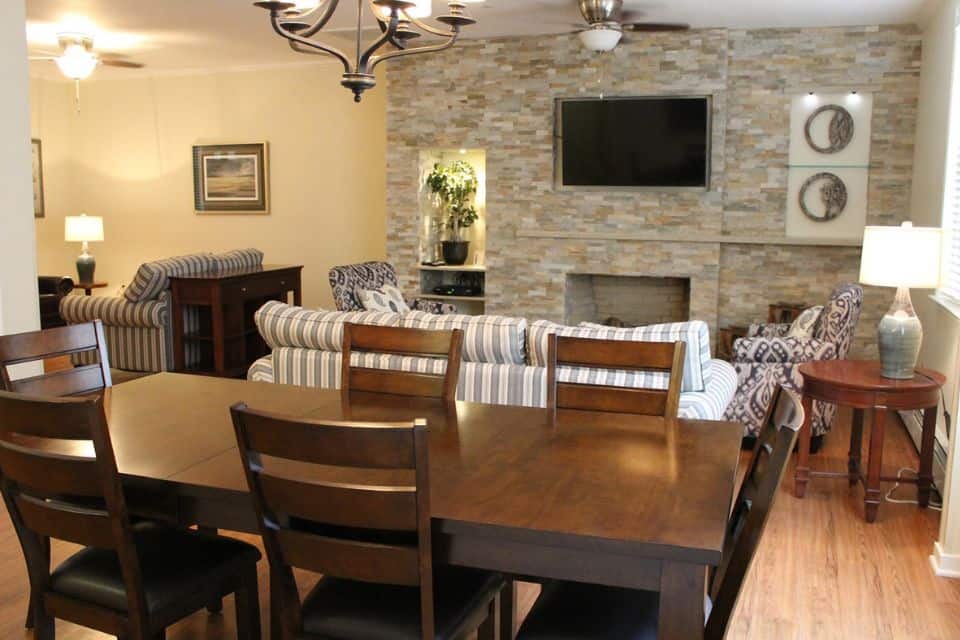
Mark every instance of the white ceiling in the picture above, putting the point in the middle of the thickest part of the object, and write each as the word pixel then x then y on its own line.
pixel 182 35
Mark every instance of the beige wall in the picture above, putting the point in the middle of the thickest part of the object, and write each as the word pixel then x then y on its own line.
pixel 18 275
pixel 126 156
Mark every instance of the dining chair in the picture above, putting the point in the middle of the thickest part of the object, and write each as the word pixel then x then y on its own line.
pixel 595 357
pixel 399 341
pixel 324 505
pixel 572 610
pixel 58 342
pixel 59 480
pixel 38 346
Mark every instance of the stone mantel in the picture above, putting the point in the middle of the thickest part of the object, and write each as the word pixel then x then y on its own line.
pixel 699 239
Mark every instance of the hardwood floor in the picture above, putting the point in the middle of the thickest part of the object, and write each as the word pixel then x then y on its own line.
pixel 821 571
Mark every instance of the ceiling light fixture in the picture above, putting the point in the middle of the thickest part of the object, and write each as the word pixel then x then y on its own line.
pixel 77 61
pixel 399 22
pixel 601 38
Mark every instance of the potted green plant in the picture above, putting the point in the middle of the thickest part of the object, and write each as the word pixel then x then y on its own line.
pixel 454 187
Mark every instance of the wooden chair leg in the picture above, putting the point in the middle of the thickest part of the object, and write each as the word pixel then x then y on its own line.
pixel 490 625
pixel 215 605
pixel 508 611
pixel 43 623
pixel 247 604
pixel 46 550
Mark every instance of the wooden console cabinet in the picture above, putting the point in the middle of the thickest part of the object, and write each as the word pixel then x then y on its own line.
pixel 224 341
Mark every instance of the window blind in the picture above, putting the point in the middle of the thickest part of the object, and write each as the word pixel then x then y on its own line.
pixel 950 287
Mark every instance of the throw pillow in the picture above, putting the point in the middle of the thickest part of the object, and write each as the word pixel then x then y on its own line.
pixel 387 298
pixel 802 327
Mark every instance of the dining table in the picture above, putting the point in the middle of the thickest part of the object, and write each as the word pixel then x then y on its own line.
pixel 611 499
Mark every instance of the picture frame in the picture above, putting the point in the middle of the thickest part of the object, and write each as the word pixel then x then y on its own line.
pixel 39 205
pixel 231 178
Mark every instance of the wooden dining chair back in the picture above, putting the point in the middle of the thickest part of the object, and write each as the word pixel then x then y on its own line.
pixel 752 506
pixel 613 355
pixel 60 481
pixel 65 342
pixel 400 341
pixel 364 532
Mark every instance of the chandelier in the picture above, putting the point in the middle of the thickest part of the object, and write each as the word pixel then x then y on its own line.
pixel 399 20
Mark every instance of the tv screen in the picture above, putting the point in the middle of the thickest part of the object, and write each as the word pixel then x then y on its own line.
pixel 634 142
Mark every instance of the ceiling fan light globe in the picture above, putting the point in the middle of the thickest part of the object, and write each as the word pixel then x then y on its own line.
pixel 601 40
pixel 76 62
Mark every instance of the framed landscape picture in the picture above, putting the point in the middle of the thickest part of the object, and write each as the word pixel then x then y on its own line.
pixel 38 205
pixel 230 178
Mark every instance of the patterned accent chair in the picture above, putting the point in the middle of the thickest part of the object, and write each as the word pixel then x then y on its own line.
pixel 767 358
pixel 348 279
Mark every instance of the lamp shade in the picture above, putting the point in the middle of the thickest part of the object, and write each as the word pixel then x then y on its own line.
pixel 83 229
pixel 904 256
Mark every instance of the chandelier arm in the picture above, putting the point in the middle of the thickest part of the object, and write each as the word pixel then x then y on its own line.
pixel 363 61
pixel 409 52
pixel 322 19
pixel 292 37
pixel 426 27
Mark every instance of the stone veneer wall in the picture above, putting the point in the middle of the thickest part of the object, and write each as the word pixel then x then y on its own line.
pixel 499 95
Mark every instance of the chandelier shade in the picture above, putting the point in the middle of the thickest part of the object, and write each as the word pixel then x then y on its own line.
pixel 399 21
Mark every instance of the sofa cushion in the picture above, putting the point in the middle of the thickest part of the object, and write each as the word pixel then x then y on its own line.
pixel 495 339
pixel 152 278
pixel 238 259
pixel 386 298
pixel 695 334
pixel 282 325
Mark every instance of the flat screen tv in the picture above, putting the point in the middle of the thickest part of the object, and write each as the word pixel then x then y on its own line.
pixel 644 142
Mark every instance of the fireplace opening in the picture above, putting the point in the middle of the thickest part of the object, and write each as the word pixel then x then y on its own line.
pixel 625 301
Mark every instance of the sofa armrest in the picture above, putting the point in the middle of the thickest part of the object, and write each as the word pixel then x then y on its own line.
pixel 431 306
pixel 768 330
pixel 116 312
pixel 55 285
pixel 782 350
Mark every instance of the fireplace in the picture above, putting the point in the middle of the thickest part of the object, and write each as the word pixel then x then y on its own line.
pixel 628 301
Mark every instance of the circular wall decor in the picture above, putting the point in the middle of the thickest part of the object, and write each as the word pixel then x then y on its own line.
pixel 840 131
pixel 833 193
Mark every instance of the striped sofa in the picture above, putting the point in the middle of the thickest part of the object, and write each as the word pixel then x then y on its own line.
pixel 504 358
pixel 138 325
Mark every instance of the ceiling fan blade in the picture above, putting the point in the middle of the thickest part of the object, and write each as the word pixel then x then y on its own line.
pixel 655 27
pixel 123 64
pixel 42 58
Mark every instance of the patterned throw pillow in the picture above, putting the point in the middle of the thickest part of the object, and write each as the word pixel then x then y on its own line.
pixel 388 298
pixel 802 327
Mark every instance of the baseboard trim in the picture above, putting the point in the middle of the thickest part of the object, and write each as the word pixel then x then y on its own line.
pixel 944 565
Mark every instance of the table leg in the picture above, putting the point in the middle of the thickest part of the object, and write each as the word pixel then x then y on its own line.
pixel 925 477
pixel 856 446
pixel 802 473
pixel 508 611
pixel 875 463
pixel 682 588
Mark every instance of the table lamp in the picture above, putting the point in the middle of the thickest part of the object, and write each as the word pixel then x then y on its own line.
pixel 85 229
pixel 905 257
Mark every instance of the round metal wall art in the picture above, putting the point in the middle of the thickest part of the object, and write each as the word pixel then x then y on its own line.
pixel 833 193
pixel 840 131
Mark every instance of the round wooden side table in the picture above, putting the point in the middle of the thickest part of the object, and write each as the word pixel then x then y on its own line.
pixel 859 385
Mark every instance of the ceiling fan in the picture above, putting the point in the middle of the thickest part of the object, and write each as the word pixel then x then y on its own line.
pixel 77 59
pixel 607 20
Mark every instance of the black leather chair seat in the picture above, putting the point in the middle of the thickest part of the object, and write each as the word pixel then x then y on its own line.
pixel 172 562
pixel 568 611
pixel 347 610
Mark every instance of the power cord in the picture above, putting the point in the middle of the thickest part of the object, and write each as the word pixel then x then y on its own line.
pixel 936 506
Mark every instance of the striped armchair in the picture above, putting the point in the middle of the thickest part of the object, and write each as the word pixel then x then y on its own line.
pixel 767 358
pixel 138 325
pixel 347 280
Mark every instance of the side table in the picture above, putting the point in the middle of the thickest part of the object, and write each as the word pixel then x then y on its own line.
pixel 859 385
pixel 88 287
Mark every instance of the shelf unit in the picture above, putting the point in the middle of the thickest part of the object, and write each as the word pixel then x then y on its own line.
pixel 432 277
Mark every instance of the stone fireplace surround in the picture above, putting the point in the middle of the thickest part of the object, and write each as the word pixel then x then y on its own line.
pixel 499 95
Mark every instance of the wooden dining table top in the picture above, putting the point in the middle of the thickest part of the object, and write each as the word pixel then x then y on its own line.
pixel 638 485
